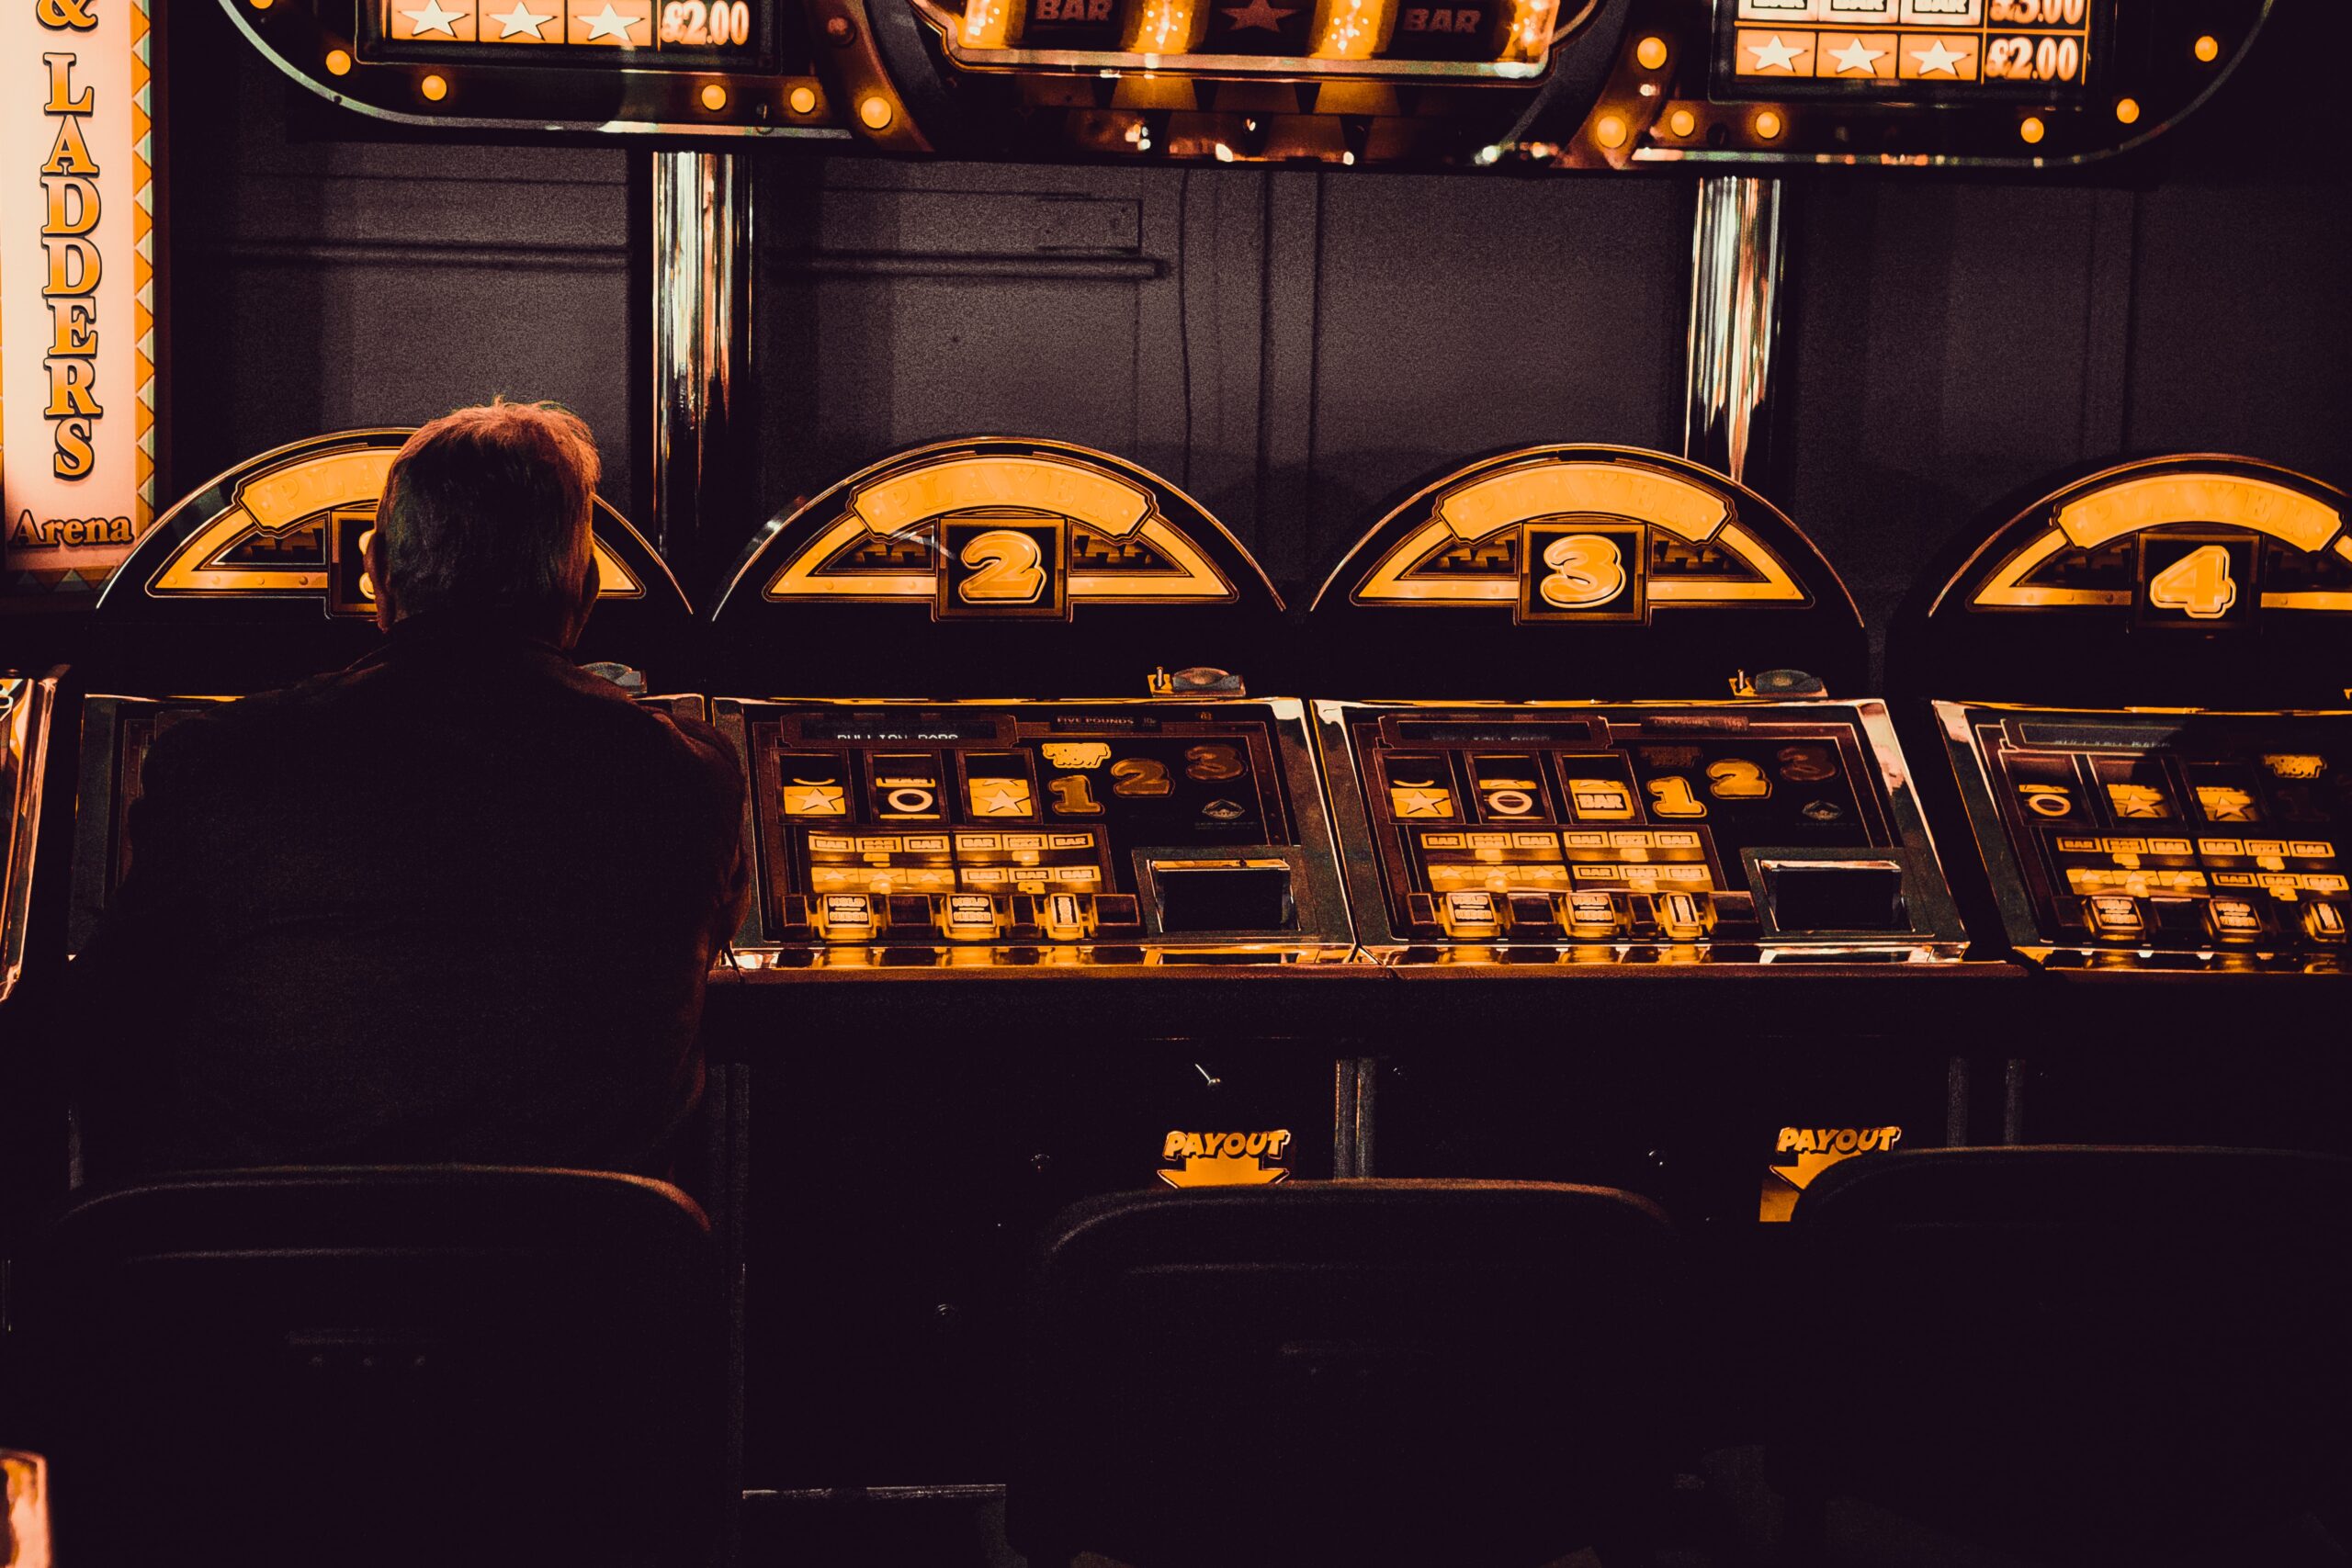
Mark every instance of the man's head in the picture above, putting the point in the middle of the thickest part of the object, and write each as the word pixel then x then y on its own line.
pixel 485 516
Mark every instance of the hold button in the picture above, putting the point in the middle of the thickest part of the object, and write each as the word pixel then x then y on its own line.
pixel 2112 914
pixel 1595 916
pixel 2233 920
pixel 845 917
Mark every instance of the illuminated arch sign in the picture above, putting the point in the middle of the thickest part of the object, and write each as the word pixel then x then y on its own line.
pixel 1013 564
pixel 994 529
pixel 2200 542
pixel 1568 570
pixel 286 533
pixel 77 296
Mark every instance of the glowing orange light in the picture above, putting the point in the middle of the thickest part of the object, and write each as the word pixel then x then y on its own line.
pixel 987 23
pixel 338 62
pixel 2208 49
pixel 1163 26
pixel 435 87
pixel 714 96
pixel 1350 30
pixel 1610 131
pixel 1769 125
pixel 1530 30
pixel 2033 129
pixel 1682 122
pixel 803 100
pixel 1651 52
pixel 875 110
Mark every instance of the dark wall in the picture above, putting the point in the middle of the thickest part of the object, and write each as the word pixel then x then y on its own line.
pixel 1293 347
pixel 318 282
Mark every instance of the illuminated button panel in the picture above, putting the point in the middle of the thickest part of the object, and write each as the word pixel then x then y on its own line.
pixel 980 832
pixel 2164 834
pixel 1727 828
pixel 1910 48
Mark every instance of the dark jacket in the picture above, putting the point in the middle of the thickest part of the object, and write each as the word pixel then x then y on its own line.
pixel 457 902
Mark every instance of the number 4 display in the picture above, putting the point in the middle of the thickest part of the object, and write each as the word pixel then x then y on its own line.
pixel 2199 584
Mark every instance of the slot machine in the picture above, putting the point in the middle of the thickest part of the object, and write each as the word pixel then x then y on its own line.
pixel 258 581
pixel 1712 86
pixel 28 703
pixel 1674 885
pixel 1042 874
pixel 28 955
pixel 2138 684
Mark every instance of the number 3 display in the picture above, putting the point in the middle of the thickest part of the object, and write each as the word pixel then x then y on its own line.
pixel 1587 569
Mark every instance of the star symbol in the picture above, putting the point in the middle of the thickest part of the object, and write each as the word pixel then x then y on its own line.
pixel 1855 57
pixel 1422 803
pixel 519 20
pixel 432 20
pixel 814 800
pixel 1000 800
pixel 1776 55
pixel 609 23
pixel 1259 14
pixel 1935 57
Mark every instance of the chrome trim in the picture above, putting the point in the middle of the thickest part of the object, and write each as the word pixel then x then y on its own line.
pixel 704 435
pixel 1739 250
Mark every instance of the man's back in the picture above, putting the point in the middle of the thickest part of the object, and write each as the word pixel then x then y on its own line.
pixel 455 903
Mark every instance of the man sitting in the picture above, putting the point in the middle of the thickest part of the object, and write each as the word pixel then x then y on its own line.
pixel 456 902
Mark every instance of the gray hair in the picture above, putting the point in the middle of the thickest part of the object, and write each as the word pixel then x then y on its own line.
pixel 485 514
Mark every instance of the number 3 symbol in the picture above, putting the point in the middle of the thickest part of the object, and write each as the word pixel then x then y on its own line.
pixel 1585 570
pixel 1007 568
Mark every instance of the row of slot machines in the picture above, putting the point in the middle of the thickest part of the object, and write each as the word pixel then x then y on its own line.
pixel 1029 706
pixel 1557 837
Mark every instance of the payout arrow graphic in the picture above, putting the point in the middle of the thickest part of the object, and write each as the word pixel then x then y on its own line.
pixel 1817 1149
pixel 1225 1159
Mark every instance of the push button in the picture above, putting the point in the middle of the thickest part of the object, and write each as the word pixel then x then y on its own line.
pixel 1470 913
pixel 1066 916
pixel 2233 920
pixel 2323 922
pixel 969 917
pixel 2112 914
pixel 1594 917
pixel 1684 917
pixel 1533 914
pixel 845 917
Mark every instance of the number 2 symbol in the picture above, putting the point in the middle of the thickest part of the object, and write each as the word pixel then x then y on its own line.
pixel 2199 583
pixel 1007 568
pixel 1585 570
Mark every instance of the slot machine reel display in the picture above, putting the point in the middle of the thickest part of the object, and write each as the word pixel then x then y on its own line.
pixel 258 579
pixel 1585 84
pixel 1118 829
pixel 1739 830
pixel 2107 645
